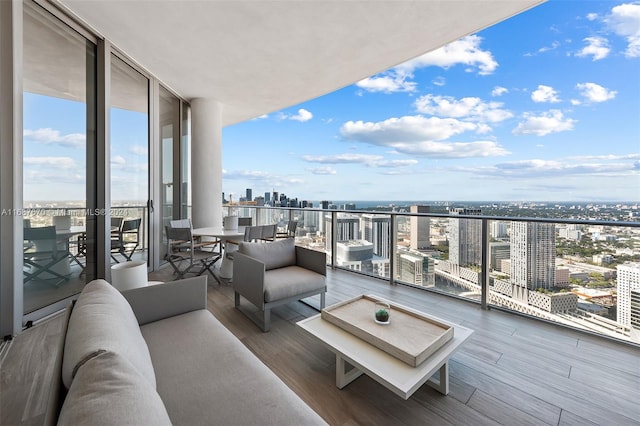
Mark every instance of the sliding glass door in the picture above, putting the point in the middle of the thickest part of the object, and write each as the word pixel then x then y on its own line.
pixel 59 119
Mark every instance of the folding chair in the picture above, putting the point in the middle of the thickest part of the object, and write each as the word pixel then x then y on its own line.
pixel 268 232
pixel 184 254
pixel 41 254
pixel 126 240
pixel 290 232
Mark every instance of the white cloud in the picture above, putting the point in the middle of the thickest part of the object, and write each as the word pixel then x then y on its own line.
pixel 551 121
pixel 555 168
pixel 499 91
pixel 53 162
pixel 302 116
pixel 387 84
pixel 139 150
pixel 553 46
pixel 545 94
pixel 118 160
pixel 624 20
pixel 322 170
pixel 465 51
pixel 470 108
pixel 597 48
pixel 404 129
pixel 342 158
pixel 595 93
pixel 368 160
pixel 417 135
pixel 50 136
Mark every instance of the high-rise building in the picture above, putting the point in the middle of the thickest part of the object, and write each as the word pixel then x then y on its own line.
pixel 498 229
pixel 415 268
pixel 465 238
pixel 325 204
pixel 628 277
pixel 377 230
pixel 499 251
pixel 533 255
pixel 348 228
pixel 249 194
pixel 267 197
pixel 420 228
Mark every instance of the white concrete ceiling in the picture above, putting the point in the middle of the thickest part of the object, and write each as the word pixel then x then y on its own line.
pixel 257 57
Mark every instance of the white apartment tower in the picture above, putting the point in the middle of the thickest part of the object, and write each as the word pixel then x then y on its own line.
pixel 628 283
pixel 420 228
pixel 533 255
pixel 465 238
pixel 348 228
pixel 377 230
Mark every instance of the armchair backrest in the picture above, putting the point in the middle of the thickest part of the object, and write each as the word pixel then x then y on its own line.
pixel 277 254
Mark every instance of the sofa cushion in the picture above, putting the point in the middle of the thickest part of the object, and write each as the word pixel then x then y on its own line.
pixel 277 254
pixel 102 320
pixel 290 281
pixel 108 390
pixel 207 376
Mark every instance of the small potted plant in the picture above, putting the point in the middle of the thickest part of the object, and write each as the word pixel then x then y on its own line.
pixel 382 312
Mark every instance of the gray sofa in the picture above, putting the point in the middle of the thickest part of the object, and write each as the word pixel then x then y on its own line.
pixel 275 273
pixel 154 356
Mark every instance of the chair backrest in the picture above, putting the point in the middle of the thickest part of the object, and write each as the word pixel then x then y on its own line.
pixel 252 233
pixel 46 235
pixel 181 223
pixel 131 225
pixel 40 234
pixel 291 228
pixel 245 221
pixel 116 222
pixel 268 232
pixel 178 234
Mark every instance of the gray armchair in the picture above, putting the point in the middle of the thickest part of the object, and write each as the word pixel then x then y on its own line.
pixel 276 273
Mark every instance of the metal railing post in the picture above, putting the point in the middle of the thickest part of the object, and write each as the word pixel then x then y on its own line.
pixel 486 259
pixel 393 242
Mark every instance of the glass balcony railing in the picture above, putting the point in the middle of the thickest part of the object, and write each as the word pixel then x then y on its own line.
pixel 578 273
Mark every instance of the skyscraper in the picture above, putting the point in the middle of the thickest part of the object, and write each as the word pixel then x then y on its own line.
pixel 415 268
pixel 628 294
pixel 465 238
pixel 377 230
pixel 348 228
pixel 420 228
pixel 533 255
pixel 249 194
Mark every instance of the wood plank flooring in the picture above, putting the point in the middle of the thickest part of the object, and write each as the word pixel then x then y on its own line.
pixel 512 371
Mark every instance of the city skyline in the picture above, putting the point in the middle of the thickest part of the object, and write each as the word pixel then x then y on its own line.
pixel 542 106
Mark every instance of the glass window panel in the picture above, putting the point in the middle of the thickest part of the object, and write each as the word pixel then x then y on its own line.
pixel 59 108
pixel 129 115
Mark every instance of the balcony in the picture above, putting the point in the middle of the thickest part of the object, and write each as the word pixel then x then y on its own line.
pixel 513 370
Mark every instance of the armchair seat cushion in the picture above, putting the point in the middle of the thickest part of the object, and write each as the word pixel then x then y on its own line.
pixel 284 283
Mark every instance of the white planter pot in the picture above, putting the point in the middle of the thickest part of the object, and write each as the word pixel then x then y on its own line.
pixel 128 275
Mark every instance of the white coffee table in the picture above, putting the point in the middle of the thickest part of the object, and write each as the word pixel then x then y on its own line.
pixel 397 376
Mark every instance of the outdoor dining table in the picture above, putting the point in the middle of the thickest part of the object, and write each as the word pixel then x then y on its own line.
pixel 224 235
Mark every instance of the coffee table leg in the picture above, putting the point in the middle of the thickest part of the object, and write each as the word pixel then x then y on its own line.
pixel 343 377
pixel 442 383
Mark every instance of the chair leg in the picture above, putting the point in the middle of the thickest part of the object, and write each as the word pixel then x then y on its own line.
pixel 266 317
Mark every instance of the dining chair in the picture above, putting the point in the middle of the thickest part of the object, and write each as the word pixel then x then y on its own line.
pixel 42 254
pixel 126 240
pixel 184 253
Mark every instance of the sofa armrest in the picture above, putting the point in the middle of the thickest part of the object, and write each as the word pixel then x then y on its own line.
pixel 248 278
pixel 313 260
pixel 166 300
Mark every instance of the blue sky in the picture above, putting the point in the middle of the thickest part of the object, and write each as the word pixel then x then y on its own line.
pixel 544 106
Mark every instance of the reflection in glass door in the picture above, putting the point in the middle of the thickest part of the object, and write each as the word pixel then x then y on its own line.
pixel 59 125
pixel 129 115
pixel 169 112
